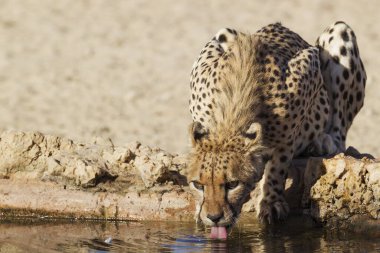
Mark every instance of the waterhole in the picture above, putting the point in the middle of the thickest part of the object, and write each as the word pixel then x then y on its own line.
pixel 296 234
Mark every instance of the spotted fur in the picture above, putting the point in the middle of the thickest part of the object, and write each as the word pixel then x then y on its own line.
pixel 257 101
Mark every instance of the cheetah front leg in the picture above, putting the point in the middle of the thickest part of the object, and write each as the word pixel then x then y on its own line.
pixel 271 204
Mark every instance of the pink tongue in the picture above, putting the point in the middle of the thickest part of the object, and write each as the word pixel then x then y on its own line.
pixel 218 233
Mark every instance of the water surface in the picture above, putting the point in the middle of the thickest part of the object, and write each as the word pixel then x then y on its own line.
pixel 297 234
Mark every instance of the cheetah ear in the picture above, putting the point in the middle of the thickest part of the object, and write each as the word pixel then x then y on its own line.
pixel 253 133
pixel 197 132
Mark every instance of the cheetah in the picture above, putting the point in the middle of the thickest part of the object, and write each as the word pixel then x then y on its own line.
pixel 259 100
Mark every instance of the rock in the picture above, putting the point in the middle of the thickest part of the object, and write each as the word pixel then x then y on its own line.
pixel 119 155
pixel 151 164
pixel 28 155
pixel 340 192
pixel 38 172
pixel 349 187
pixel 22 154
pixel 36 199
pixel 36 156
pixel 157 166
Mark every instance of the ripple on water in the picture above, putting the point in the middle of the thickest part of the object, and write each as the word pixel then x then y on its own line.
pixel 297 234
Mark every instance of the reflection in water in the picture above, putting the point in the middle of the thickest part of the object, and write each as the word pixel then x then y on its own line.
pixel 297 234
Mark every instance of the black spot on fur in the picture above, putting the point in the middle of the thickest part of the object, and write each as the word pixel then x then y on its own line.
pixel 278 191
pixel 343 50
pixel 326 64
pixel 344 35
pixel 352 65
pixel 341 88
pixel 339 22
pixel 345 74
pixel 350 99
pixel 356 51
pixel 345 95
pixel 306 126
pixel 359 96
pixel 283 158
pixel 222 38
pixel 336 59
pixel 358 76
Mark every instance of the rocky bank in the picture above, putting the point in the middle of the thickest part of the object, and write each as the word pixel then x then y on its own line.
pixel 50 176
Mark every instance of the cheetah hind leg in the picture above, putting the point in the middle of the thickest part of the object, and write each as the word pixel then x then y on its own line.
pixel 344 78
pixel 321 147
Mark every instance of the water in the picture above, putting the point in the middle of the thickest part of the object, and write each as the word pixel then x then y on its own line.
pixel 297 234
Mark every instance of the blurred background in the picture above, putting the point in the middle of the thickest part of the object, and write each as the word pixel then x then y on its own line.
pixel 120 69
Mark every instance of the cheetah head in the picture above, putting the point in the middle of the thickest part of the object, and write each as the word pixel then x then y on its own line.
pixel 223 169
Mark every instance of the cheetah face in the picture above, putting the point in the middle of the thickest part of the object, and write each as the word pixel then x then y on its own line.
pixel 223 172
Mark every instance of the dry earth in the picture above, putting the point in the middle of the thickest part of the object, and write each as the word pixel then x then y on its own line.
pixel 120 69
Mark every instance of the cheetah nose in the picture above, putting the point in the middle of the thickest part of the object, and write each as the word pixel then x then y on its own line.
pixel 215 217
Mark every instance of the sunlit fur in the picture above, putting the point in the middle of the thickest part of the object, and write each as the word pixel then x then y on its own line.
pixel 239 93
pixel 225 153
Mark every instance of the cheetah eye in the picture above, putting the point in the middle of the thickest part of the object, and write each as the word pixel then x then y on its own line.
pixel 232 185
pixel 253 131
pixel 197 185
pixel 251 136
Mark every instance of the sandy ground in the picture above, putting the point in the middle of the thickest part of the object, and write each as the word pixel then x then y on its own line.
pixel 120 69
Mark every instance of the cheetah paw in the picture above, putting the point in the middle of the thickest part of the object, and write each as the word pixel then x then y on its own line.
pixel 277 210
